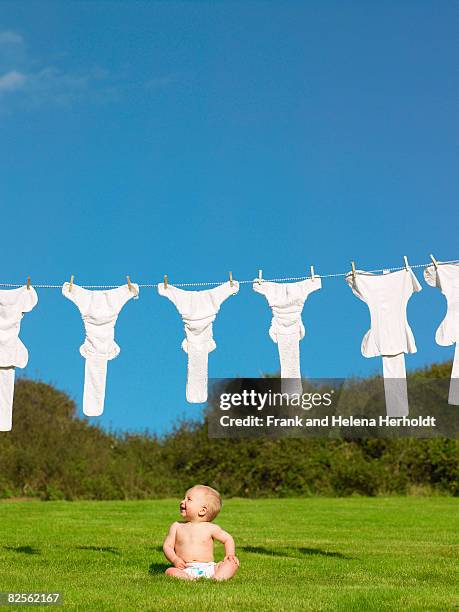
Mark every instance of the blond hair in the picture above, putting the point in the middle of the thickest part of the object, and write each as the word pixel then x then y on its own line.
pixel 214 500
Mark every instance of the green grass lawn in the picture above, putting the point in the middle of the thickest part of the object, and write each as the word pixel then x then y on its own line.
pixel 296 554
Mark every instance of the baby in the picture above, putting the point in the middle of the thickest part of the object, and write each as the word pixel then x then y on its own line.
pixel 189 545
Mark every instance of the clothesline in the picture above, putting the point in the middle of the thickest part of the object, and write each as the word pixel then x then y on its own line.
pixel 241 282
pixel 386 295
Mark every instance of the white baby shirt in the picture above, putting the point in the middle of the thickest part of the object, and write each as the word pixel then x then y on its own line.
pixel 390 335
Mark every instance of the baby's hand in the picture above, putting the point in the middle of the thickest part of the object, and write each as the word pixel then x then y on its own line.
pixel 179 563
pixel 232 558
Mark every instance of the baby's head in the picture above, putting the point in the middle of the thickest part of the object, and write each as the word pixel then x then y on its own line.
pixel 201 503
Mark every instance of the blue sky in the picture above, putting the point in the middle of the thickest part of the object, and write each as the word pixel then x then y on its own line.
pixel 191 139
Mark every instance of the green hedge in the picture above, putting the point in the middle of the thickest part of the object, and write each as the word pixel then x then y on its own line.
pixel 52 454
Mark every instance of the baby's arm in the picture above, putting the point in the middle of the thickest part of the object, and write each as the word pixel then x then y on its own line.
pixel 224 537
pixel 169 548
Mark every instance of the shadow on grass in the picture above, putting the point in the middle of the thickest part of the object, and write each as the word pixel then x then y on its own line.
pixel 324 553
pixel 158 568
pixel 28 550
pixel 292 552
pixel 157 548
pixel 108 549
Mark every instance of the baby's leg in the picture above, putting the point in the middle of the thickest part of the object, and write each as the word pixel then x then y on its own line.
pixel 178 573
pixel 225 570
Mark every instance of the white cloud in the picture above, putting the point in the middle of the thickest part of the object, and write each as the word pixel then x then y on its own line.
pixel 159 82
pixel 11 81
pixel 13 52
pixel 8 37
pixel 29 83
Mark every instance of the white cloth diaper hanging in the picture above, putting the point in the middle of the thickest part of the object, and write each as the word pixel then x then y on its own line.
pixel 286 301
pixel 13 354
pixel 446 278
pixel 99 311
pixel 198 310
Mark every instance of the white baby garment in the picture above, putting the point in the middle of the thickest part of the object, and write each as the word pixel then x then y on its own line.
pixel 446 278
pixel 286 301
pixel 198 310
pixel 13 354
pixel 390 335
pixel 99 311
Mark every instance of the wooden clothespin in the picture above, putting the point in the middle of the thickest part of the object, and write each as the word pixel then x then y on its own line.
pixel 312 272
pixel 165 281
pixel 231 279
pixel 28 282
pixel 353 270
pixel 434 261
pixel 129 283
pixel 71 283
pixel 405 258
pixel 260 276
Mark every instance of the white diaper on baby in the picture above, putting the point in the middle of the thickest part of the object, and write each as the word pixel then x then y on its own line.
pixel 198 569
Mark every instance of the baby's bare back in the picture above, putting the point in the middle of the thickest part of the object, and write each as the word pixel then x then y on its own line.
pixel 194 542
